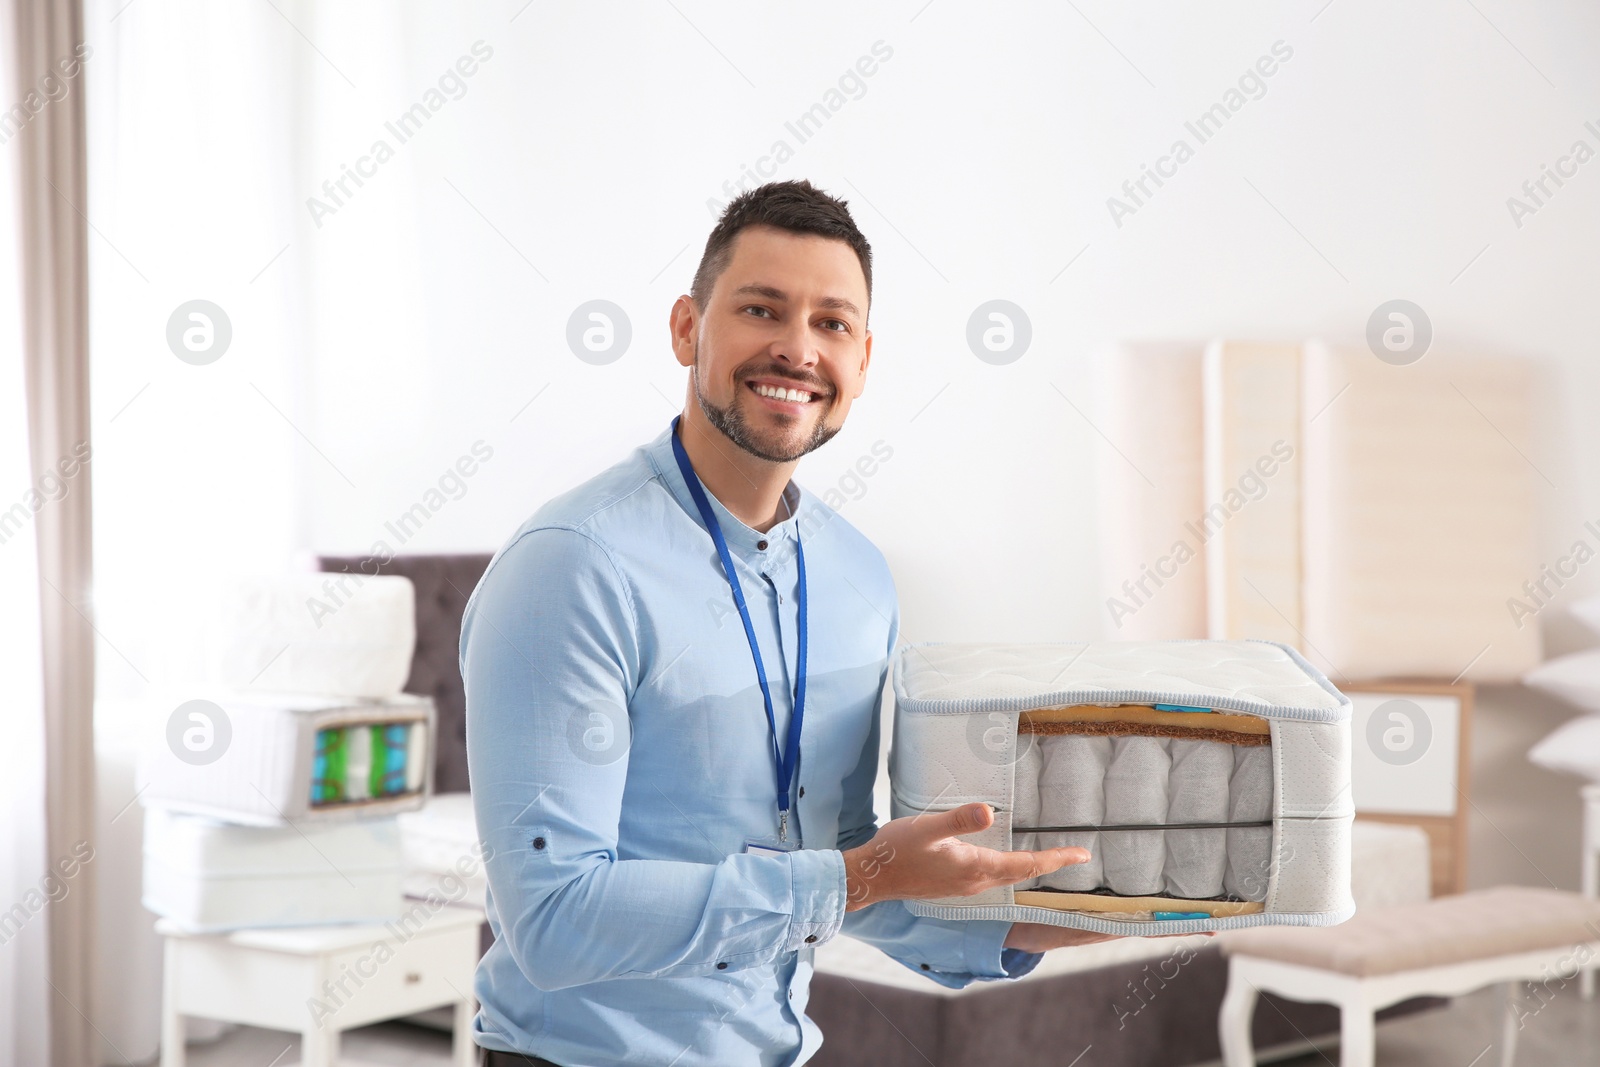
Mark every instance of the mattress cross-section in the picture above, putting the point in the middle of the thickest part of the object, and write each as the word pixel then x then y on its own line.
pixel 1209 780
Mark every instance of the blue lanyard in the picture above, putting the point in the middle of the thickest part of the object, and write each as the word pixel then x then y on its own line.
pixel 786 761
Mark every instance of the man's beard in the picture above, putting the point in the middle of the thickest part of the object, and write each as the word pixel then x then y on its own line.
pixel 730 420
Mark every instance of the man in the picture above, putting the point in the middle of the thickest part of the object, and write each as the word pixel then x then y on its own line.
pixel 668 838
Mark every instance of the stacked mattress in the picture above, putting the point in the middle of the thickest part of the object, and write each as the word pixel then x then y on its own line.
pixel 346 634
pixel 297 758
pixel 1251 526
pixel 1394 456
pixel 210 875
pixel 276 803
pixel 1296 492
pixel 1209 780
pixel 441 852
pixel 368 761
pixel 1152 486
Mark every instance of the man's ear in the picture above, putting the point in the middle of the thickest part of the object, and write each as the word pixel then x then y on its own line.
pixel 866 358
pixel 683 325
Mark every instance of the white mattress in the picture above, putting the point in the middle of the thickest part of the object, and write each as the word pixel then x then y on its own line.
pixel 1252 491
pixel 1388 865
pixel 1257 677
pixel 956 741
pixel 208 875
pixel 1150 488
pixel 441 851
pixel 350 634
pixel 463 892
pixel 1394 539
pixel 1419 515
pixel 264 775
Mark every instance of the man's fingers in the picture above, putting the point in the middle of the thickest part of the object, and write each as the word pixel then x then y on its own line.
pixel 1053 859
pixel 967 819
pixel 1014 867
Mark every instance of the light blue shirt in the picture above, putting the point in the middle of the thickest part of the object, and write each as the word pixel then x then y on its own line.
pixel 621 760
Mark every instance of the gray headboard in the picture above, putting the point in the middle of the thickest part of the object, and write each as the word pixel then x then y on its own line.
pixel 443 585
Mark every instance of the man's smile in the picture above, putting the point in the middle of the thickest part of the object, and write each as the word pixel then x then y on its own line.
pixel 784 396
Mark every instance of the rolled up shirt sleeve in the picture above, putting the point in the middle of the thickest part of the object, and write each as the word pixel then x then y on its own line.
pixel 550 658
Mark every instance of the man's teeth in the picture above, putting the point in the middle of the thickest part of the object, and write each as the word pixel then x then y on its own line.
pixel 793 395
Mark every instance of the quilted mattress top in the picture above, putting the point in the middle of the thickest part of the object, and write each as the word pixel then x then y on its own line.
pixel 1258 677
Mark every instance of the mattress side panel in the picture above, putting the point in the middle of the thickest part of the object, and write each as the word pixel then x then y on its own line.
pixel 946 760
pixel 997 836
pixel 1312 870
pixel 1312 765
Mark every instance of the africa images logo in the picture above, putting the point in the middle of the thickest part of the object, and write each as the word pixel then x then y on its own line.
pixel 1399 732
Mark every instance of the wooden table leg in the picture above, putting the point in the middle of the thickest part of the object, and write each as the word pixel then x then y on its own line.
pixel 1590 867
pixel 464 1051
pixel 1513 1023
pixel 173 1053
pixel 319 1047
pixel 1358 1035
pixel 1233 1021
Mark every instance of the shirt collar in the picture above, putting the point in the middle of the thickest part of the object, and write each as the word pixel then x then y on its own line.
pixel 739 536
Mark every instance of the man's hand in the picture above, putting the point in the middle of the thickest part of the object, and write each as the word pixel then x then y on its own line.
pixel 922 856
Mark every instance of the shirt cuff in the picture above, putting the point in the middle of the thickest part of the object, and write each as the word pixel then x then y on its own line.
pixel 819 897
pixel 983 944
pixel 1018 962
pixel 987 956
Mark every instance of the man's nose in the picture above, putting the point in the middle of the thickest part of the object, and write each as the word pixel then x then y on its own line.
pixel 795 345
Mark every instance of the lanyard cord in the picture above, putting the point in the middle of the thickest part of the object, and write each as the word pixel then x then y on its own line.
pixel 786 761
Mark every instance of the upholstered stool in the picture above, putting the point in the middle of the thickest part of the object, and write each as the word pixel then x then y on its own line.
pixel 1446 946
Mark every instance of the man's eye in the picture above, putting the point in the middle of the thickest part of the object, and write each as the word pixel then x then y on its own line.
pixel 757 307
pixel 845 326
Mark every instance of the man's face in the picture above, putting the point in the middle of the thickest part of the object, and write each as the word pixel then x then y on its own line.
pixel 788 313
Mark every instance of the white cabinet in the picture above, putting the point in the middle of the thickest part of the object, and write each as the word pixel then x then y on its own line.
pixel 1409 746
pixel 321 980
pixel 1404 753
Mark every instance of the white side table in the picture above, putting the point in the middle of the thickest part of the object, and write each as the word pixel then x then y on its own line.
pixel 321 980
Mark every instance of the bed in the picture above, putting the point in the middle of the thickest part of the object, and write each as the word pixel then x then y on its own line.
pixel 1137 1002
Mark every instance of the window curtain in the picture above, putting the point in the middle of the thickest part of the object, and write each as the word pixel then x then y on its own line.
pixel 22 934
pixel 47 651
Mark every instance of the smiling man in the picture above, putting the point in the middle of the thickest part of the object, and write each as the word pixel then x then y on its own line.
pixel 673 678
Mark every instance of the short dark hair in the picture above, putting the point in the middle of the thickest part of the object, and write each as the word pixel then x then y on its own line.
pixel 798 207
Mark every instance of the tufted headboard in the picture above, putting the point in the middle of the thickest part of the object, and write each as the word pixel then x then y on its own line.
pixel 443 584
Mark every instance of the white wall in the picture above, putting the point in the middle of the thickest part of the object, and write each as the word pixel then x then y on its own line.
pixel 430 307
pixel 979 160
pixel 375 345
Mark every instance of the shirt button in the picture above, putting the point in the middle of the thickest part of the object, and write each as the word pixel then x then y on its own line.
pixel 924 967
pixel 762 545
pixel 802 790
pixel 810 938
pixel 724 966
pixel 791 994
